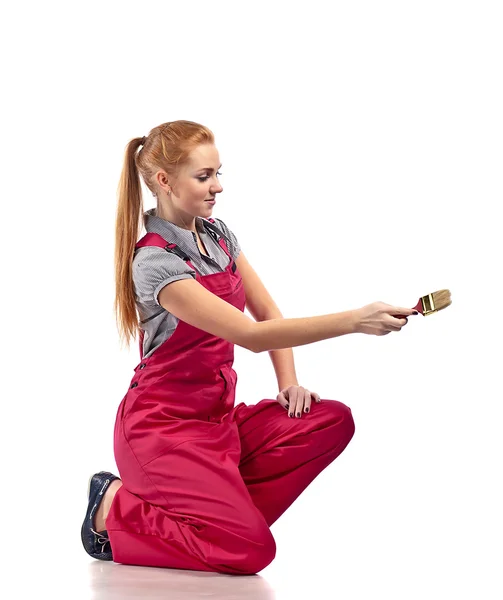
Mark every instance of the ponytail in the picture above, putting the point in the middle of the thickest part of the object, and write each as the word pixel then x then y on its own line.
pixel 127 230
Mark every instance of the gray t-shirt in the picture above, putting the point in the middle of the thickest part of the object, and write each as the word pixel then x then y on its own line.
pixel 154 267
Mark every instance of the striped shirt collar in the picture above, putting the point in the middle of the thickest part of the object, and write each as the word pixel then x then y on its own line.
pixel 154 223
pixel 175 234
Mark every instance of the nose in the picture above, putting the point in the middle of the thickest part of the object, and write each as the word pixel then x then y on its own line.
pixel 217 188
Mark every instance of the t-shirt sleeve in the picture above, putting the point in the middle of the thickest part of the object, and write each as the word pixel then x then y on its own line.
pixel 154 268
pixel 234 247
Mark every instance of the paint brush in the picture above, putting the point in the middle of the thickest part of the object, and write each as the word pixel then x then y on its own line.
pixel 431 303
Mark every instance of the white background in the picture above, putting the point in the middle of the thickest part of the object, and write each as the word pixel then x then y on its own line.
pixel 361 145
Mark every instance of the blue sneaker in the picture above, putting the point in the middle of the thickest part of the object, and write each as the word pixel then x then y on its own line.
pixel 96 543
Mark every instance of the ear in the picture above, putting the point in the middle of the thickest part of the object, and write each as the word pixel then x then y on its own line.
pixel 163 181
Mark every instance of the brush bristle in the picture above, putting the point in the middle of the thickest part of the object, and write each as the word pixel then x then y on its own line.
pixel 441 299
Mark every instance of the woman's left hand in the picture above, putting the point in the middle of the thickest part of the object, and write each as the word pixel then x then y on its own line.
pixel 297 399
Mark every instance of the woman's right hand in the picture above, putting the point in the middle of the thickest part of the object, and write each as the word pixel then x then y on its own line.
pixel 377 318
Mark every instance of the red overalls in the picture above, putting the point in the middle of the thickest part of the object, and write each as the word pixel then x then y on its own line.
pixel 203 480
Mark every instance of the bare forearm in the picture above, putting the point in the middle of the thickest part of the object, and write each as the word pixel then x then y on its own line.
pixel 282 360
pixel 284 367
pixel 279 333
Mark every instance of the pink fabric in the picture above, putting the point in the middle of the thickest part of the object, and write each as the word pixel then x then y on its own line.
pixel 203 478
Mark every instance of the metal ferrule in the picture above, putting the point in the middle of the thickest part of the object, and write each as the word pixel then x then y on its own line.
pixel 428 305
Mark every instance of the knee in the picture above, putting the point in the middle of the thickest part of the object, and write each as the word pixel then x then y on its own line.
pixel 250 552
pixel 341 417
pixel 260 553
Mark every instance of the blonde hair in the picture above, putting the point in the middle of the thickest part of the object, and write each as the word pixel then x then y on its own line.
pixel 166 148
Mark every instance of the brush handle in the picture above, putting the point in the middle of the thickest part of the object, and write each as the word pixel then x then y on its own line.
pixel 418 307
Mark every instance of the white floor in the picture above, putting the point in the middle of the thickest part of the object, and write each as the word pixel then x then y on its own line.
pixel 70 575
pixel 113 582
pixel 352 535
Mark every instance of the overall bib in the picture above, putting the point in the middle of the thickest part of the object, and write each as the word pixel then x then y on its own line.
pixel 203 479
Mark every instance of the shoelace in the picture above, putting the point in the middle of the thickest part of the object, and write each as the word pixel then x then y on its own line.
pixel 101 539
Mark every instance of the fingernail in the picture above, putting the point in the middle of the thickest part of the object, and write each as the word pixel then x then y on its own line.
pixel 416 312
pixel 298 414
pixel 306 410
pixel 287 405
pixel 290 414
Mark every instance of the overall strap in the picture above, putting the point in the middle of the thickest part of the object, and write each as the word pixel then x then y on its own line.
pixel 151 239
pixel 210 222
pixel 154 239
pixel 212 232
pixel 214 229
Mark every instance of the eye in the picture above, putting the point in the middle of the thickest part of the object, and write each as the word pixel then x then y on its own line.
pixel 207 176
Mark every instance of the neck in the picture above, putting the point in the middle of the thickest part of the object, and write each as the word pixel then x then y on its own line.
pixel 189 224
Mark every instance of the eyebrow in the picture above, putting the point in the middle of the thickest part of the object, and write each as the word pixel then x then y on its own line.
pixel 207 168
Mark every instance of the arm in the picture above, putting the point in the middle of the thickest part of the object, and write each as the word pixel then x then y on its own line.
pixel 263 308
pixel 192 303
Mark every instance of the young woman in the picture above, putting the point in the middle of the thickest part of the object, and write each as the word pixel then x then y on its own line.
pixel 202 479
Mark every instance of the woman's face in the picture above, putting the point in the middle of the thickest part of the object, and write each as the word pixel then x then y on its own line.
pixel 197 182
